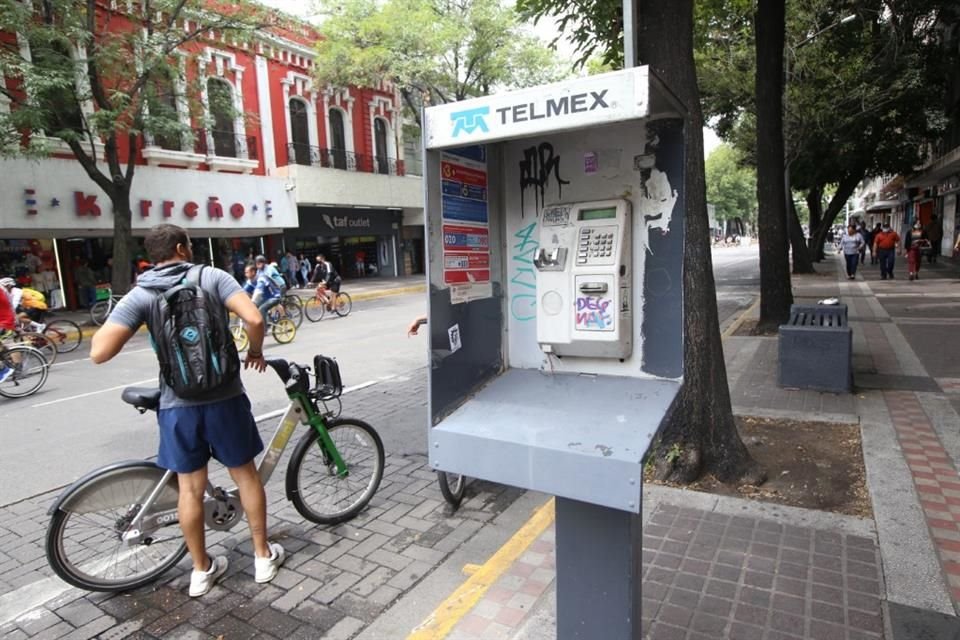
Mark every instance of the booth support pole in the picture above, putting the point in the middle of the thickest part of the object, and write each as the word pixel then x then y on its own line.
pixel 598 572
pixel 629 33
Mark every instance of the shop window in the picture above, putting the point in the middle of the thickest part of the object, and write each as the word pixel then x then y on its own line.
pixel 164 116
pixel 221 111
pixel 57 101
pixel 380 142
pixel 299 131
pixel 338 139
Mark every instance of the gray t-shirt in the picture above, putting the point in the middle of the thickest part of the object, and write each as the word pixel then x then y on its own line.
pixel 851 244
pixel 134 309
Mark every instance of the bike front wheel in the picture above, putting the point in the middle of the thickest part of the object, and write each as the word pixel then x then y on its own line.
pixel 314 309
pixel 294 309
pixel 66 335
pixel 85 545
pixel 30 370
pixel 343 304
pixel 100 311
pixel 452 486
pixel 317 491
pixel 284 330
pixel 240 338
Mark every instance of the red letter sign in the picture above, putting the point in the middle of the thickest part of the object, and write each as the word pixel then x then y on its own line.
pixel 190 209
pixel 86 205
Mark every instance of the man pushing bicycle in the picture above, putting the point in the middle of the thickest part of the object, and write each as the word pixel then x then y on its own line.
pixel 204 411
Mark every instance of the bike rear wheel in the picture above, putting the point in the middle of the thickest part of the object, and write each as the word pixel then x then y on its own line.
pixel 343 304
pixel 84 538
pixel 294 308
pixel 100 311
pixel 314 309
pixel 284 330
pixel 313 485
pixel 452 486
pixel 30 370
pixel 66 335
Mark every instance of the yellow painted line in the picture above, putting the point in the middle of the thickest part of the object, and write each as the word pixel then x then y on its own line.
pixel 740 320
pixel 439 623
pixel 470 569
pixel 381 293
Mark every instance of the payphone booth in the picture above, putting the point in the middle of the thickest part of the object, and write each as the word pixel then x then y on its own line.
pixel 555 249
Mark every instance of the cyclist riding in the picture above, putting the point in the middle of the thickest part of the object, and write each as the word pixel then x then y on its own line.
pixel 262 290
pixel 327 279
pixel 272 272
pixel 7 319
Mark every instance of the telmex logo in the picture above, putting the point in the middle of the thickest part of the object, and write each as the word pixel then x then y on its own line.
pixel 472 120
pixel 469 121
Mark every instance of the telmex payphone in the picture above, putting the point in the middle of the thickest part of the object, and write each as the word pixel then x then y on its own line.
pixel 584 269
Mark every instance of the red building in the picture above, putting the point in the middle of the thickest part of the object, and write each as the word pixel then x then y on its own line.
pixel 292 167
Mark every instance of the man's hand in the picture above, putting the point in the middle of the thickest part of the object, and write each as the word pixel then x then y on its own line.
pixel 415 325
pixel 255 360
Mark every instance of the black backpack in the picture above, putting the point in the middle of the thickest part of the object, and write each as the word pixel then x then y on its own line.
pixel 188 330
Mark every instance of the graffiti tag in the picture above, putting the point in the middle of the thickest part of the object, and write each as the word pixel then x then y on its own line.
pixel 535 169
pixel 593 313
pixel 523 300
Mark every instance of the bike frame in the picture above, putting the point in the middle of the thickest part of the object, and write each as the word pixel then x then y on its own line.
pixel 301 410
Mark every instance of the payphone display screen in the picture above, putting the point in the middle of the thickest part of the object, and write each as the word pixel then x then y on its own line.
pixel 598 214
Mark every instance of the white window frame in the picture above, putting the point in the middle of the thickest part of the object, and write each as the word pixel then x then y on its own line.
pixel 341 100
pixel 224 65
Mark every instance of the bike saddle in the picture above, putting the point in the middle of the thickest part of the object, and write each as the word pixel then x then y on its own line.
pixel 142 397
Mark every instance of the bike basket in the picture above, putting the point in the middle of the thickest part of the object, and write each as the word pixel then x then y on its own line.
pixel 327 372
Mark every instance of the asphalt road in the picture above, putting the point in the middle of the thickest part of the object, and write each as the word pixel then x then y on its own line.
pixel 78 422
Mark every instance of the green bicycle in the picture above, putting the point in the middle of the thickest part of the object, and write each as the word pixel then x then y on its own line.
pixel 117 527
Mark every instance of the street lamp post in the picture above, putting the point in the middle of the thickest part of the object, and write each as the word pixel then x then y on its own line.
pixel 792 52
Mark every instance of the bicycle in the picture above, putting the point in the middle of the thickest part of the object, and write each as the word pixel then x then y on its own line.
pixel 30 370
pixel 116 528
pixel 100 310
pixel 316 307
pixel 283 329
pixel 66 335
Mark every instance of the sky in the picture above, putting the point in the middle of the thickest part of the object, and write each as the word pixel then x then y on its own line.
pixel 545 29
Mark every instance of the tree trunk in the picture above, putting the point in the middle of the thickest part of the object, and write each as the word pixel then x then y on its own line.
pixel 798 244
pixel 815 206
pixel 122 236
pixel 845 189
pixel 775 292
pixel 702 425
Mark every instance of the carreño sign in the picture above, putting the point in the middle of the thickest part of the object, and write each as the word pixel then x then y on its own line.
pixel 583 102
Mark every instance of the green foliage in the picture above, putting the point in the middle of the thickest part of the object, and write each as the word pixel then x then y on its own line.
pixel 434 50
pixel 594 26
pixel 731 186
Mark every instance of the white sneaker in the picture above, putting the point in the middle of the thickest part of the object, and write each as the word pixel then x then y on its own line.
pixel 202 581
pixel 265 569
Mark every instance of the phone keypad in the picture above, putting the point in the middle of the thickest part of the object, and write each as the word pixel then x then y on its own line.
pixel 594 244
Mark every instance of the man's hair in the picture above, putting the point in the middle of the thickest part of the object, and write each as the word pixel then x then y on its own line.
pixel 260 259
pixel 162 240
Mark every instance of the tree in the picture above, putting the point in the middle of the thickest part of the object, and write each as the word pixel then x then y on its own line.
pixel 731 186
pixel 124 65
pixel 702 425
pixel 433 51
pixel 776 295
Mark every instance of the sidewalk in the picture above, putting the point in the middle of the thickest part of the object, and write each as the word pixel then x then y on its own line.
pixel 719 567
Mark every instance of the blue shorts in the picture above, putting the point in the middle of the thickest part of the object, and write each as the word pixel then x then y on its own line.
pixel 224 430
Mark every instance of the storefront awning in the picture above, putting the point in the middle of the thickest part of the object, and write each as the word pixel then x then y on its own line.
pixel 943 167
pixel 882 205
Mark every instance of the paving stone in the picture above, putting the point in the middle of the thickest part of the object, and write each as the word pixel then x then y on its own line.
pixel 335 588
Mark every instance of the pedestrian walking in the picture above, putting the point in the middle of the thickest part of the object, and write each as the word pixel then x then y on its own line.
pixel 293 268
pixel 206 413
pixel 915 244
pixel 852 244
pixel 934 231
pixel 885 246
pixel 304 271
pixel 873 236
pixel 862 231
